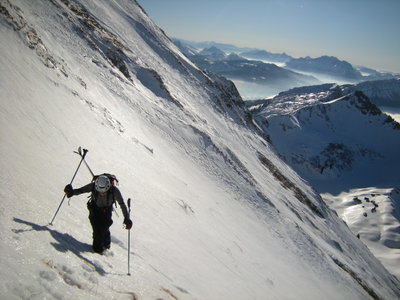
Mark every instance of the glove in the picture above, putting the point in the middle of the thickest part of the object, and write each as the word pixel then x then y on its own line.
pixel 69 191
pixel 128 223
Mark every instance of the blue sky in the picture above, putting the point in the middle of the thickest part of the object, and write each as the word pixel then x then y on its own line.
pixel 363 32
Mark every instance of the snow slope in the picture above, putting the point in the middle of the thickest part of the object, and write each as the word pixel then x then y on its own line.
pixel 373 214
pixel 217 214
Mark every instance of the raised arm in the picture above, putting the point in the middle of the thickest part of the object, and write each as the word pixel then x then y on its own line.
pixel 70 191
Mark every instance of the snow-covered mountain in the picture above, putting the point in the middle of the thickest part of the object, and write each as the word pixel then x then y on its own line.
pixel 338 140
pixel 217 214
pixel 329 131
pixel 381 92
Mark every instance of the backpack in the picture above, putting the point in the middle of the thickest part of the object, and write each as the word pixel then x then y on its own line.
pixel 114 182
pixel 113 179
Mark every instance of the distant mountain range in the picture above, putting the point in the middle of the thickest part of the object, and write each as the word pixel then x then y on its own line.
pixel 236 67
pixel 251 65
pixel 228 48
pixel 265 55
pixel 325 65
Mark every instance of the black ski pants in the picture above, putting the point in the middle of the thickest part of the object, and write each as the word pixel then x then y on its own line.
pixel 100 219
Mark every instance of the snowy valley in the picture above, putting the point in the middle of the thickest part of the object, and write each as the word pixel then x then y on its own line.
pixel 217 213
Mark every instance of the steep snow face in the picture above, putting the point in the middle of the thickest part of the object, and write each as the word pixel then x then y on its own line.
pixel 217 215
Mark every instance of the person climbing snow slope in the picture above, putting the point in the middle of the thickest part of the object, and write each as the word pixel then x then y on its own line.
pixel 104 194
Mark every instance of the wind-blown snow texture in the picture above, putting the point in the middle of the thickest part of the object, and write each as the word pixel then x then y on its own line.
pixel 217 215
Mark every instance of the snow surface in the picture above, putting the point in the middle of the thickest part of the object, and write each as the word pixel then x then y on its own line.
pixel 374 215
pixel 217 214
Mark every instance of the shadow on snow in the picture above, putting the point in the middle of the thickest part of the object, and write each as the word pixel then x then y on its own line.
pixel 64 242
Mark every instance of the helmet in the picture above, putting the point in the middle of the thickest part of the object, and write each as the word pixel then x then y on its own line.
pixel 102 184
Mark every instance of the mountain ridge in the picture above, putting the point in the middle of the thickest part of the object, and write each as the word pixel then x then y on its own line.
pixel 327 65
pixel 320 115
pixel 327 119
pixel 342 143
pixel 322 65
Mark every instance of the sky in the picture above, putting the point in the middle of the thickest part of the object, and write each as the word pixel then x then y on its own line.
pixel 362 32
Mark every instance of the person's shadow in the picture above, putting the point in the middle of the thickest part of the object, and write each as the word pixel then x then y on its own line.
pixel 64 242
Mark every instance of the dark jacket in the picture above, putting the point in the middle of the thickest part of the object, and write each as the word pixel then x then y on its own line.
pixel 104 201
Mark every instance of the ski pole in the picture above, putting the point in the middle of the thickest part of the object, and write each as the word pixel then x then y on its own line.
pixel 80 153
pixel 73 177
pixel 129 237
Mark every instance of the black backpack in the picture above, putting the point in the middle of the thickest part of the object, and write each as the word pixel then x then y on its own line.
pixel 114 182
pixel 113 179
